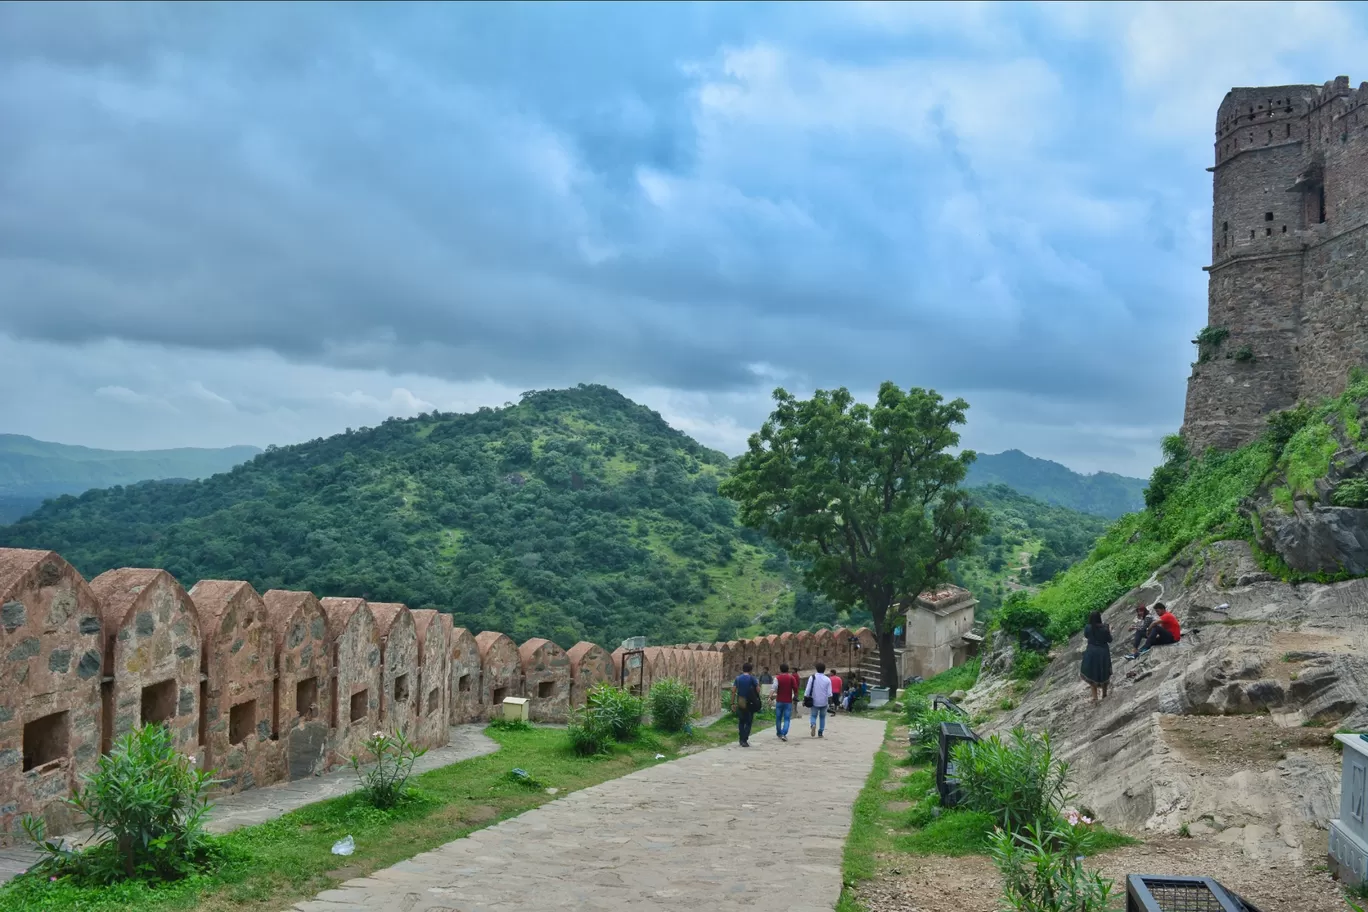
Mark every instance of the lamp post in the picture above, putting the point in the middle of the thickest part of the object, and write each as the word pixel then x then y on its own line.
pixel 854 642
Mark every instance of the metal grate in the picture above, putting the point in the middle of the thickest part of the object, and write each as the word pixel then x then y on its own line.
pixel 1148 893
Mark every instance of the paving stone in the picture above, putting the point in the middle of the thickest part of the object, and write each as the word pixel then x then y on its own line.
pixel 697 833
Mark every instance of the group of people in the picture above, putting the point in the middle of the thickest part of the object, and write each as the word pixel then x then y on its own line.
pixel 1151 628
pixel 821 693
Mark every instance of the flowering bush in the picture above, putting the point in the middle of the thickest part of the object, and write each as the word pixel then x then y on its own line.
pixel 147 804
pixel 384 784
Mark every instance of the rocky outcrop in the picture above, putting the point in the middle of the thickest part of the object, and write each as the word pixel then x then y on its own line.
pixel 1227 731
pixel 1317 539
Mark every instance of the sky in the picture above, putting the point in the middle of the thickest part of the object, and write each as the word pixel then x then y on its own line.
pixel 263 223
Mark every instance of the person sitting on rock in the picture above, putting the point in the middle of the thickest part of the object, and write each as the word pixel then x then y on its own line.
pixel 1143 620
pixel 1163 632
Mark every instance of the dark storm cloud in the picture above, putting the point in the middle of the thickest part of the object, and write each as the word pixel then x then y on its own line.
pixel 665 196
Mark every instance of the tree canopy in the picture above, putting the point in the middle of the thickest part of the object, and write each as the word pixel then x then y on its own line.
pixel 867 498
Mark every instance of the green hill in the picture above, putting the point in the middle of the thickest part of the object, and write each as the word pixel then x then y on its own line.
pixel 1028 543
pixel 1102 494
pixel 32 470
pixel 573 514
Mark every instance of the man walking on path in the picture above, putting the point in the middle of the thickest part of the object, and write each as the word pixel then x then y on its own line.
pixel 785 690
pixel 835 702
pixel 819 692
pixel 746 702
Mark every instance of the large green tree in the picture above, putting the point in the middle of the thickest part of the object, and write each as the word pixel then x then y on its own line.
pixel 867 498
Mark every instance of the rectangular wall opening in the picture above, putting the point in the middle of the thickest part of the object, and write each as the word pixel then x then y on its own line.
pixel 463 684
pixel 159 702
pixel 45 740
pixel 306 698
pixel 335 691
pixel 496 695
pixel 106 716
pixel 359 709
pixel 275 708
pixel 401 690
pixel 434 701
pixel 241 721
pixel 204 712
pixel 546 689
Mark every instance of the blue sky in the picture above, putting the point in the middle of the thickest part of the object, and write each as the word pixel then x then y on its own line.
pixel 263 223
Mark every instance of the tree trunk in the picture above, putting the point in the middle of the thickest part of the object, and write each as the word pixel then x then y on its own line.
pixel 888 661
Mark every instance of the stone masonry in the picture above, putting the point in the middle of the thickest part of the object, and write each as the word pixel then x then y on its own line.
pixel 399 667
pixel 465 677
pixel 356 675
pixel 153 659
pixel 502 671
pixel 1288 279
pixel 304 697
pixel 51 649
pixel 546 679
pixel 433 690
pixel 240 712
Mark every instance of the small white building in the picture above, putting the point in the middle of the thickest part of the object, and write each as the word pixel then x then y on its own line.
pixel 1349 832
pixel 938 632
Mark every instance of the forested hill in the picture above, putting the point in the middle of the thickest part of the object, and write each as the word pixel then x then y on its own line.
pixel 1102 494
pixel 573 514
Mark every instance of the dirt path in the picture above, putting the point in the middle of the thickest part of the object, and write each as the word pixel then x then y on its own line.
pixel 938 884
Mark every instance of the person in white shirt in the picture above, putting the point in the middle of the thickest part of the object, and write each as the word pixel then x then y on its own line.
pixel 819 690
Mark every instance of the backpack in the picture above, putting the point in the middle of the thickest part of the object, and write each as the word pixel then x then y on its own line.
pixel 749 699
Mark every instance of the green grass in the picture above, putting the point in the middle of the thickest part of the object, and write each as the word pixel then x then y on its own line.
pixel 947 682
pixel 277 863
pixel 953 833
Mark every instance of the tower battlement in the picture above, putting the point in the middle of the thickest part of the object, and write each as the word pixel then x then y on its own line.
pixel 1288 278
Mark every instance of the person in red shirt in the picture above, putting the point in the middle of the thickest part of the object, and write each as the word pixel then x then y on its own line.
pixel 1165 630
pixel 835 689
pixel 786 687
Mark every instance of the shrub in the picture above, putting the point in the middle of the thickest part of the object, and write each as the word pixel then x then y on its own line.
pixel 618 710
pixel 1027 666
pixel 147 804
pixel 385 783
pixel 589 733
pixel 1351 493
pixel 1041 870
pixel 925 733
pixel 1018 780
pixel 1019 613
pixel 914 707
pixel 510 725
pixel 671 703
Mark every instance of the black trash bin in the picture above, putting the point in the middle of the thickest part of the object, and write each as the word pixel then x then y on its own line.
pixel 1154 893
pixel 947 783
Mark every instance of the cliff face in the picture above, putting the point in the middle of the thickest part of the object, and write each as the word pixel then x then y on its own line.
pixel 1227 731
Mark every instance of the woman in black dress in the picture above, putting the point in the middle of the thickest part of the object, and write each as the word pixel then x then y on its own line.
pixel 1097 665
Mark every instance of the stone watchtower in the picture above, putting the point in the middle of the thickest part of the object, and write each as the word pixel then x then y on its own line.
pixel 1288 278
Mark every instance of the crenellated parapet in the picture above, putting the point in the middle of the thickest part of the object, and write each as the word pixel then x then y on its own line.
pixel 260 688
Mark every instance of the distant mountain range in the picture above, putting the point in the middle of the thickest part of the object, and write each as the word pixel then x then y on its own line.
pixel 33 470
pixel 1102 494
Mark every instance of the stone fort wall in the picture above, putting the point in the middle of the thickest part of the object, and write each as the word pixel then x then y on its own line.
pixel 800 651
pixel 1288 279
pixel 261 688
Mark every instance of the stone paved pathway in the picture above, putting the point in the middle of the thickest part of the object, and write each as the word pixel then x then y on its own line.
pixel 724 829
pixel 263 804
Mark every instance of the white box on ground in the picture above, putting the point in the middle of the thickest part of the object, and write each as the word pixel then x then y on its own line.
pixel 1349 831
pixel 515 709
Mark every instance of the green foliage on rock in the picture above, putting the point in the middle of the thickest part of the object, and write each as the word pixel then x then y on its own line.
pixel 574 514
